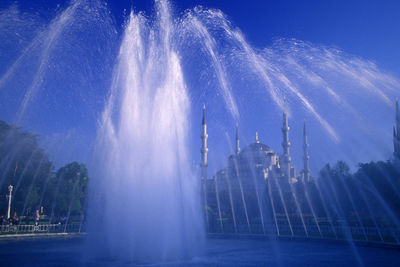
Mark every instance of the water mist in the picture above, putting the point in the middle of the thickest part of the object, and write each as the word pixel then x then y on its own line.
pixel 151 198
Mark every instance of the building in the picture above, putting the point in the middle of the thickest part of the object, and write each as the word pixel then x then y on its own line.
pixel 396 133
pixel 260 192
pixel 253 176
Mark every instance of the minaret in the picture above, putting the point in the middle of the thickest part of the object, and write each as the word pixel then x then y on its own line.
pixel 204 149
pixel 203 166
pixel 306 157
pixel 395 151
pixel 237 151
pixel 285 145
pixel 257 141
pixel 396 133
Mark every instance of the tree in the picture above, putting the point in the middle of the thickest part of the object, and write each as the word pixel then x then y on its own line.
pixel 26 166
pixel 381 182
pixel 70 189
pixel 23 164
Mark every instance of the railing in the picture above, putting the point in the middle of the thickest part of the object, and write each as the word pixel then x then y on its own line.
pixel 41 228
pixel 381 234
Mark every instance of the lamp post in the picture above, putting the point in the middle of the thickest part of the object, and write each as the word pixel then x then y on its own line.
pixel 10 188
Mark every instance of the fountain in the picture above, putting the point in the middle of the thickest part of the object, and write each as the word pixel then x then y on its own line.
pixel 143 140
pixel 132 98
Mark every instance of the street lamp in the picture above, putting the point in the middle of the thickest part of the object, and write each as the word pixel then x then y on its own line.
pixel 10 188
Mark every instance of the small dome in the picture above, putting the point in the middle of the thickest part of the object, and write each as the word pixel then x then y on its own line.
pixel 256 147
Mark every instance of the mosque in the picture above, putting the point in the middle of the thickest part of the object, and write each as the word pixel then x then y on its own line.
pixel 258 186
pixel 253 174
pixel 258 159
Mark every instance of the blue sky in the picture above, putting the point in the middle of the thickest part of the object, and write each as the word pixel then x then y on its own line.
pixel 367 30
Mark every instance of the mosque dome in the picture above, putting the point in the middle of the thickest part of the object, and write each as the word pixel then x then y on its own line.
pixel 256 147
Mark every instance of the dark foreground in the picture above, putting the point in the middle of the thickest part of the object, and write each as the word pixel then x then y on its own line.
pixel 219 252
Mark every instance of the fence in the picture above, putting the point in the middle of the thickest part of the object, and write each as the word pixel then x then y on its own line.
pixel 380 234
pixel 41 228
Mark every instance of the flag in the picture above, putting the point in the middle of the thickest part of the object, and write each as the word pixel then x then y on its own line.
pixel 16 167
